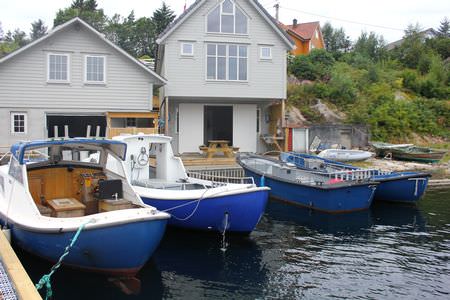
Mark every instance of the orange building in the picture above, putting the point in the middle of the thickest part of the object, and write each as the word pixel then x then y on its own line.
pixel 307 36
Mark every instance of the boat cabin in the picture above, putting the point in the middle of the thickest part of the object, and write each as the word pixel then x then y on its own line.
pixel 73 177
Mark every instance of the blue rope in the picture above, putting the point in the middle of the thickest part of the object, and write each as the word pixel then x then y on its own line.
pixel 45 280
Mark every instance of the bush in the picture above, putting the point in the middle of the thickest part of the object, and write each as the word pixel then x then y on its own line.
pixel 410 80
pixel 315 66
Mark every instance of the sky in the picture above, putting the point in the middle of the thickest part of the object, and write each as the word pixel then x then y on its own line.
pixel 385 17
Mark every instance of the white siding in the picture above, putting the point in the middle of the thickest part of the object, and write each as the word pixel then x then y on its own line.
pixel 191 127
pixel 187 76
pixel 244 127
pixel 23 78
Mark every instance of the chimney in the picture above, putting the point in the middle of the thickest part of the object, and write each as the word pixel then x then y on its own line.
pixel 277 11
pixel 294 23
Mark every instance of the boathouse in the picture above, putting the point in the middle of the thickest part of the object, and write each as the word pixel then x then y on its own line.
pixel 74 76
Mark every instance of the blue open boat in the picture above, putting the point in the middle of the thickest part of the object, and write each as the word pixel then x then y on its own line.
pixel 394 186
pixel 194 203
pixel 50 189
pixel 317 191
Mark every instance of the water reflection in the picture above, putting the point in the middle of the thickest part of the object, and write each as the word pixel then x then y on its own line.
pixel 194 266
pixel 350 223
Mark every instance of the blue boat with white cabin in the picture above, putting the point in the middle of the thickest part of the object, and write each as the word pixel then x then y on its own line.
pixel 320 192
pixel 160 178
pixel 406 187
pixel 52 188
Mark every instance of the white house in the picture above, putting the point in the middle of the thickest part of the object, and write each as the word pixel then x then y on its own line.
pixel 225 63
pixel 73 76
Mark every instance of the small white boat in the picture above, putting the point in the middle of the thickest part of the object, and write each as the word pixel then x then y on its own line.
pixel 48 192
pixel 193 203
pixel 345 155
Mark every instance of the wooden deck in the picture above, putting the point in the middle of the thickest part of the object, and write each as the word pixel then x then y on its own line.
pixel 195 159
pixel 19 278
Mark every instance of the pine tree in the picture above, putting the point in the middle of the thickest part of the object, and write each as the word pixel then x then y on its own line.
pixel 162 17
pixel 38 29
pixel 444 29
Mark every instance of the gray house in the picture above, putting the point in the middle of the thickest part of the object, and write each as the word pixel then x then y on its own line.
pixel 225 62
pixel 74 76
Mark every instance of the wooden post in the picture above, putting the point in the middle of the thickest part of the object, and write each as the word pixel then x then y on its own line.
pixel 97 132
pixel 88 131
pixel 284 125
pixel 166 117
pixel 66 131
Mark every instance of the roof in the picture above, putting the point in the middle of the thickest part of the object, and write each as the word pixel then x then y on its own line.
pixel 198 3
pixel 304 31
pixel 77 20
pixel 18 149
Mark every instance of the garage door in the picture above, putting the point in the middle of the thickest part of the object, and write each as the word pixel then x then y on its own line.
pixel 77 125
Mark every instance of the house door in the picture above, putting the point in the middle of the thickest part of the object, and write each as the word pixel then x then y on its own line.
pixel 245 131
pixel 190 134
pixel 218 123
pixel 300 141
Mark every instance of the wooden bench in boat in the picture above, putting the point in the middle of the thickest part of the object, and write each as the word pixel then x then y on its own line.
pixel 66 208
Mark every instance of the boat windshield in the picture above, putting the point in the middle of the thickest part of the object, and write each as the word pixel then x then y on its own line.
pixel 57 154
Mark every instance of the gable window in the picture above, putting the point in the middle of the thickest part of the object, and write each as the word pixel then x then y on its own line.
pixel 227 18
pixel 226 62
pixel 187 49
pixel 95 69
pixel 265 52
pixel 19 122
pixel 58 67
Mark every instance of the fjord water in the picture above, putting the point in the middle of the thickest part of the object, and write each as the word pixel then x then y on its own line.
pixel 388 252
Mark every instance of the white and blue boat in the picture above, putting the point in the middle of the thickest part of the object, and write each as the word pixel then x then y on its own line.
pixel 407 187
pixel 322 192
pixel 193 203
pixel 50 190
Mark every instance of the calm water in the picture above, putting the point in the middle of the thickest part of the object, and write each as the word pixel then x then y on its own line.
pixel 389 252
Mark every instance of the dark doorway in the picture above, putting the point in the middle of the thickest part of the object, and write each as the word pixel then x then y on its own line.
pixel 77 125
pixel 218 123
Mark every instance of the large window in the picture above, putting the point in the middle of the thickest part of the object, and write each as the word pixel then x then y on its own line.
pixel 226 62
pixel 95 69
pixel 19 122
pixel 58 67
pixel 227 18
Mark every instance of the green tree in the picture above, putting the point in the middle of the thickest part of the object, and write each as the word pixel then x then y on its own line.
pixel 38 29
pixel 336 41
pixel 161 18
pixel 371 46
pixel 444 29
pixel 315 66
pixel 86 10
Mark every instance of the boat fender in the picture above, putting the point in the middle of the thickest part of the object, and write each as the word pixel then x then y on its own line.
pixel 262 181
pixel 334 181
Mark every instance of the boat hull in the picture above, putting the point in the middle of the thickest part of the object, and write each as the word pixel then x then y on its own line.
pixel 407 187
pixel 331 200
pixel 239 212
pixel 120 250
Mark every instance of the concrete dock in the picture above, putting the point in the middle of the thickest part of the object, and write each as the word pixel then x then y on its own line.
pixel 14 280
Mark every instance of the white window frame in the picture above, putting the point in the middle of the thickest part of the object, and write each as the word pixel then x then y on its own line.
pixel 226 62
pixel 68 68
pixel 86 81
pixel 182 53
pixel 261 53
pixel 235 7
pixel 25 123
